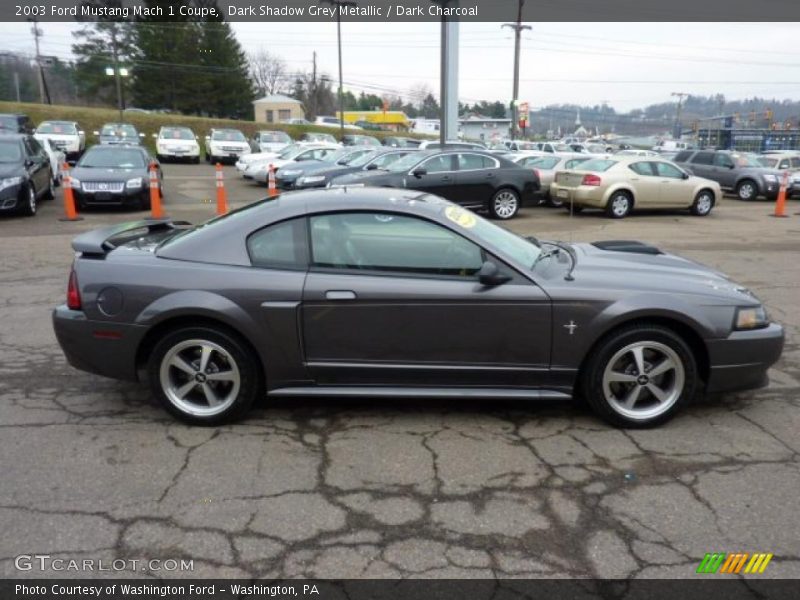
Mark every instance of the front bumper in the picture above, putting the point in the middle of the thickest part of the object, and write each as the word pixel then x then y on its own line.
pixel 126 196
pixel 100 347
pixel 172 153
pixel 9 198
pixel 740 361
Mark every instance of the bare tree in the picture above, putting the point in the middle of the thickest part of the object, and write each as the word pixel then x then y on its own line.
pixel 268 72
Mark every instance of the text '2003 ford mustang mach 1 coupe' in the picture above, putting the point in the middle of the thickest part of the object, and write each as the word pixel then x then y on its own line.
pixel 396 293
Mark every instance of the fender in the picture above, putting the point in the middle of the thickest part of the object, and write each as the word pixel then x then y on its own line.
pixel 617 188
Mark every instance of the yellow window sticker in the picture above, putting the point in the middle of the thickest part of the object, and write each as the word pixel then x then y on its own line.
pixel 461 217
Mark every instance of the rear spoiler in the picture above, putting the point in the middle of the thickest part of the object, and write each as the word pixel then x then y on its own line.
pixel 99 242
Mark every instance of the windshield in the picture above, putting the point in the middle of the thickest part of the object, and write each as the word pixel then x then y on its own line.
pixel 596 148
pixel 293 151
pixel 10 152
pixel 228 135
pixel 767 161
pixel 408 161
pixel 360 161
pixel 562 148
pixel 546 162
pixel 382 161
pixel 274 137
pixel 7 122
pixel 597 164
pixel 119 130
pixel 176 133
pixel 321 137
pixel 119 158
pixel 746 160
pixel 57 127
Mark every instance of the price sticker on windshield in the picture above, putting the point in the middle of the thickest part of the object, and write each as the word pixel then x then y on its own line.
pixel 461 217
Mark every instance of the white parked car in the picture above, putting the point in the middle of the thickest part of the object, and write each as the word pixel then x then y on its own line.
pixel 226 144
pixel 177 143
pixel 333 122
pixel 57 159
pixel 67 136
pixel 253 157
pixel 259 170
pixel 635 152
pixel 270 141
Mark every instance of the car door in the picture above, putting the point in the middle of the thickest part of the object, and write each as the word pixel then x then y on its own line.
pixel 701 164
pixel 674 191
pixel 723 170
pixel 477 178
pixel 645 184
pixel 394 299
pixel 436 175
pixel 37 164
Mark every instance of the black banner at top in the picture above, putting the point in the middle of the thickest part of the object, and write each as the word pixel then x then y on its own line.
pixel 406 10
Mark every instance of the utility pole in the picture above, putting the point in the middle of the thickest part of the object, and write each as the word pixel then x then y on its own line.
pixel 676 132
pixel 117 75
pixel 37 33
pixel 517 27
pixel 313 102
pixel 448 77
pixel 338 4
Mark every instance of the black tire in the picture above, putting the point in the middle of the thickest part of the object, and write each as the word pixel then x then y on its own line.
pixel 50 192
pixel 703 203
pixel 196 160
pixel 27 200
pixel 504 204
pixel 605 401
pixel 619 205
pixel 576 208
pixel 231 355
pixel 747 190
pixel 554 202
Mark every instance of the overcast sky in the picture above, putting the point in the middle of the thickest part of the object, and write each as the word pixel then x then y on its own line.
pixel 628 65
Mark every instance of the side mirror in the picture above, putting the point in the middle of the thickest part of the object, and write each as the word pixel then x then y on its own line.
pixel 685 176
pixel 419 172
pixel 372 167
pixel 490 275
pixel 731 166
pixel 342 162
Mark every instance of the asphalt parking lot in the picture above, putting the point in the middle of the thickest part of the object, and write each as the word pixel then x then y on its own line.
pixel 94 469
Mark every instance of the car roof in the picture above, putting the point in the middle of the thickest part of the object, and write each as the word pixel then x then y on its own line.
pixel 110 147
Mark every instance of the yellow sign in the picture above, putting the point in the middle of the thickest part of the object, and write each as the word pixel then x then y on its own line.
pixel 461 217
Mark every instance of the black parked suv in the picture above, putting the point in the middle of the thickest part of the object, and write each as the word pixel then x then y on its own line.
pixel 15 123
pixel 736 171
pixel 25 173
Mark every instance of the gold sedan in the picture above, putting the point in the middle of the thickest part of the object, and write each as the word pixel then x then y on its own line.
pixel 620 184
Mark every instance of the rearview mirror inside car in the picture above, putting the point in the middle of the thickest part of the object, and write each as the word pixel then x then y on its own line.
pixel 419 172
pixel 489 274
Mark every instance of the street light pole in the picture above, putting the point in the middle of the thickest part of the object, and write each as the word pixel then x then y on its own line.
pixel 517 27
pixel 338 4
pixel 677 127
pixel 117 74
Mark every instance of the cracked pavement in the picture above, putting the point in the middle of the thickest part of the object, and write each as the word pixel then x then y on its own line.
pixel 93 468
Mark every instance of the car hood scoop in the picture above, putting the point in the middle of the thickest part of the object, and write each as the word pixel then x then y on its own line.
pixel 627 246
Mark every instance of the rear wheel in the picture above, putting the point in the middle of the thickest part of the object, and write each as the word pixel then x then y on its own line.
pixel 619 205
pixel 204 375
pixel 554 201
pixel 504 204
pixel 747 190
pixel 640 376
pixel 703 203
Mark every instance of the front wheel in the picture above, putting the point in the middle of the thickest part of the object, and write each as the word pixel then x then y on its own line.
pixel 28 206
pixel 747 190
pixel 703 203
pixel 204 375
pixel 504 204
pixel 640 376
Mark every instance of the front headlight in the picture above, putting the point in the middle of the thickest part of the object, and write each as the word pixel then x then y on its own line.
pixel 291 172
pixel 136 182
pixel 770 178
pixel 752 317
pixel 75 183
pixel 8 182
pixel 312 179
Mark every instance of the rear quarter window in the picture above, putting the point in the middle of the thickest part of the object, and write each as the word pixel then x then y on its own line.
pixel 280 246
pixel 682 156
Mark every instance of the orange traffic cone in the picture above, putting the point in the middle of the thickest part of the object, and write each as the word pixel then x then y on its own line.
pixel 156 209
pixel 780 203
pixel 222 197
pixel 70 213
pixel 272 190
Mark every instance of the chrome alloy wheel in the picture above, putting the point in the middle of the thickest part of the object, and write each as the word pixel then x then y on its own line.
pixel 704 203
pixel 747 191
pixel 643 380
pixel 505 205
pixel 31 200
pixel 620 205
pixel 200 377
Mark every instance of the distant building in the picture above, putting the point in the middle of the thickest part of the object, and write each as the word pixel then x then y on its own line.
pixel 390 120
pixel 425 126
pixel 277 108
pixel 484 129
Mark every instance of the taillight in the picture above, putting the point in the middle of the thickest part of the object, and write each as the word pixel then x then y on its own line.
pixel 73 293
pixel 590 179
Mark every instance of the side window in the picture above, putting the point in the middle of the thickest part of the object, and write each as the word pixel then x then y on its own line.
pixel 703 158
pixel 682 156
pixel 784 164
pixel 573 163
pixel 642 168
pixel 667 170
pixel 471 162
pixel 391 243
pixel 280 246
pixel 30 149
pixel 439 164
pixel 723 160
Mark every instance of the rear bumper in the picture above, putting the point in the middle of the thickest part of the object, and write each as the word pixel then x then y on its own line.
pixel 581 195
pixel 740 361
pixel 99 347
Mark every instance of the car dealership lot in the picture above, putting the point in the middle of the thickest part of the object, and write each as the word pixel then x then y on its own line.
pixel 93 468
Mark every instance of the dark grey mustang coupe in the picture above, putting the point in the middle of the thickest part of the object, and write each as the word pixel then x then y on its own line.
pixel 394 293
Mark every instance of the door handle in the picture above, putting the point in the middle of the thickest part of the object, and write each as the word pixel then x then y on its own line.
pixel 340 295
pixel 489 175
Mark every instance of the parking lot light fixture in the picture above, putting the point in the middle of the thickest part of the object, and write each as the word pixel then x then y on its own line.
pixel 338 4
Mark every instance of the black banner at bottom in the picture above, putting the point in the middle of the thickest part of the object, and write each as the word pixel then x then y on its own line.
pixel 711 588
